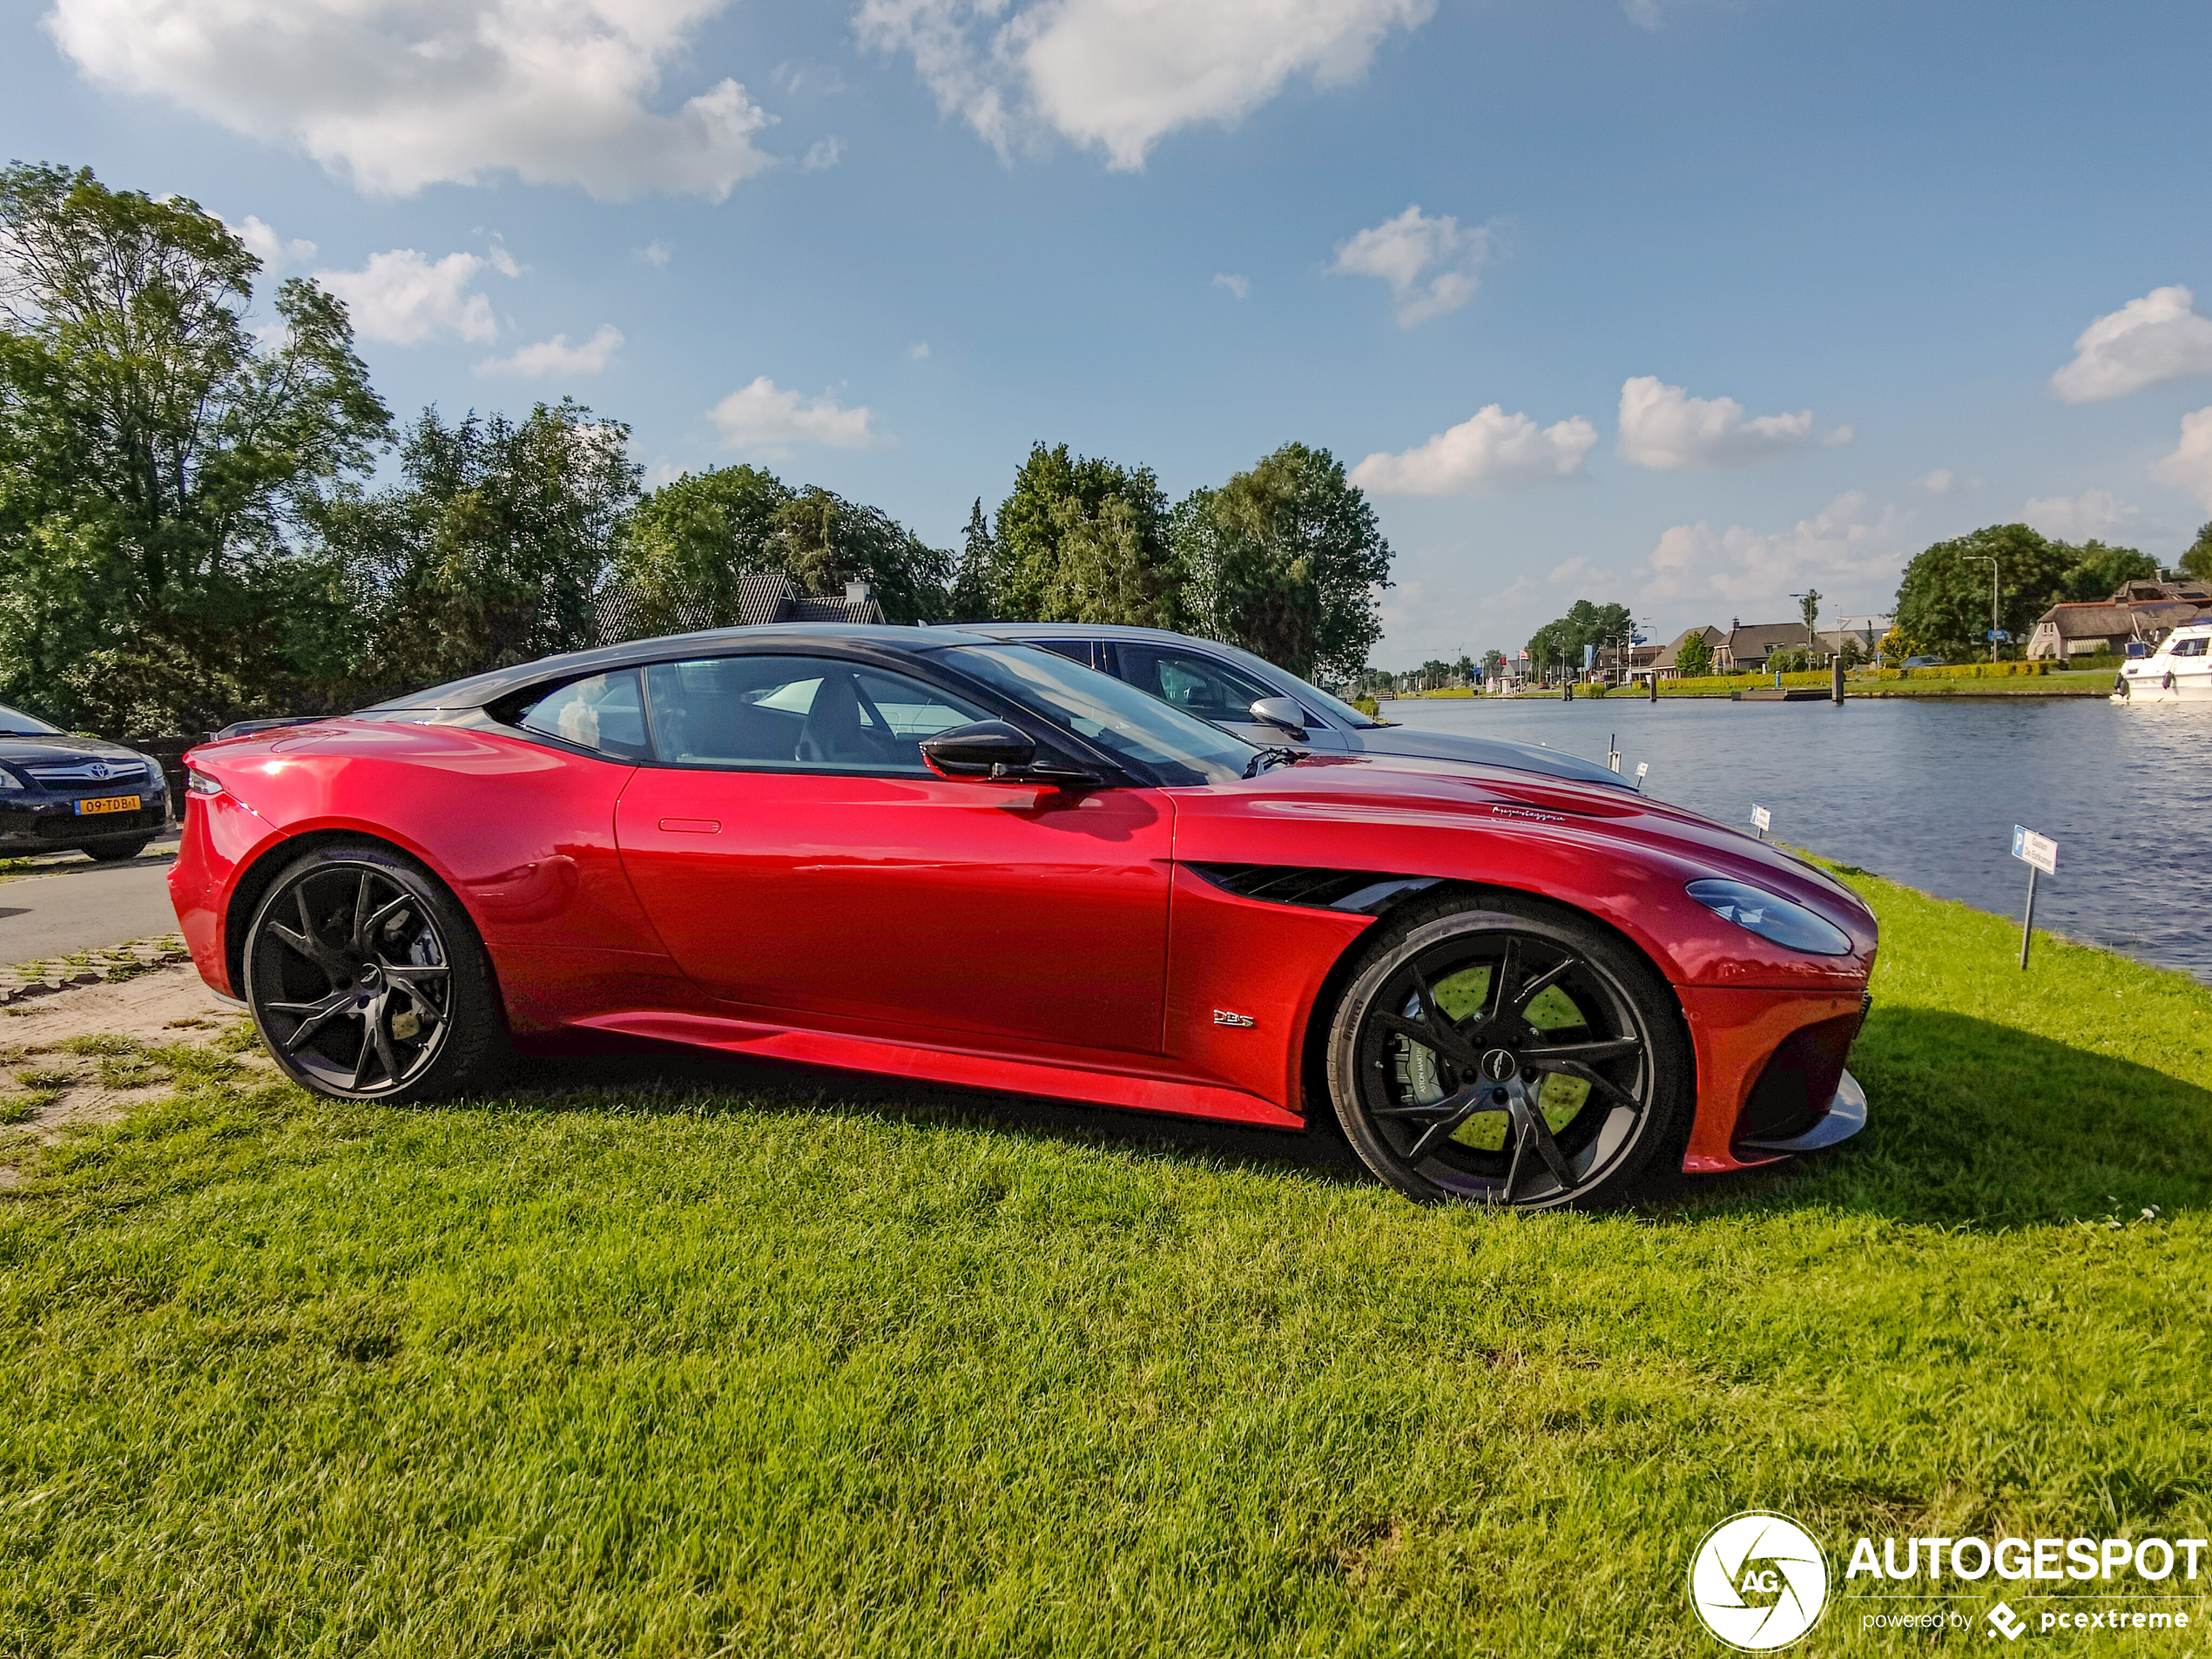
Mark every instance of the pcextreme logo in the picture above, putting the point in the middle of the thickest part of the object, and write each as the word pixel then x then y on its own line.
pixel 1758 1581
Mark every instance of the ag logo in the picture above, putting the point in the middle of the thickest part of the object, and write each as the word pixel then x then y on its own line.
pixel 1758 1581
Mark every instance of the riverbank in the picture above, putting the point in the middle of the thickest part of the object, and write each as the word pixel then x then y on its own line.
pixel 2097 683
pixel 665 1358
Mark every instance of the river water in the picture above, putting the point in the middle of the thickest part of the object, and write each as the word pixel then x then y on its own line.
pixel 1926 790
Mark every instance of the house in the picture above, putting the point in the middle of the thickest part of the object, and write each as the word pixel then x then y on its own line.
pixel 1866 632
pixel 1745 650
pixel 1616 667
pixel 620 612
pixel 2087 627
pixel 1664 665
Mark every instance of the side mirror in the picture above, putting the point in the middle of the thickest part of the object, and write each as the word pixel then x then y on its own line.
pixel 1281 712
pixel 986 749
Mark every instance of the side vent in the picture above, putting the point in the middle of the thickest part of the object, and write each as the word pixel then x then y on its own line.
pixel 1360 891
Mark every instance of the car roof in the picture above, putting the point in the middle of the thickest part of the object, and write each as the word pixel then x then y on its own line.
pixel 1075 630
pixel 480 688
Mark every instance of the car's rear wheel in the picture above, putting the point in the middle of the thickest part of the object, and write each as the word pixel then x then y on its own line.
pixel 367 980
pixel 1503 1051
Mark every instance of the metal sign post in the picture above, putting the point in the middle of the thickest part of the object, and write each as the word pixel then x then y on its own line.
pixel 1643 768
pixel 1761 820
pixel 2038 853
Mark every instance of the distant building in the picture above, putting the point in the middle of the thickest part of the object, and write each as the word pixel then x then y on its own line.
pixel 1746 649
pixel 2141 611
pixel 1867 631
pixel 1616 667
pixel 1665 665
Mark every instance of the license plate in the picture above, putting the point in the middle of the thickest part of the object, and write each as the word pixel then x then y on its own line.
pixel 108 804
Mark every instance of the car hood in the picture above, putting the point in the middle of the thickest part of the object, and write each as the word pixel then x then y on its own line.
pixel 1411 742
pixel 62 745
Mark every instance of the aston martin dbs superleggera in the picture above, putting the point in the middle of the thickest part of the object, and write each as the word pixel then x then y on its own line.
pixel 949 857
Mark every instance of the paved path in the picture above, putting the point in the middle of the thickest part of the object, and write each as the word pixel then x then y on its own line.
pixel 78 905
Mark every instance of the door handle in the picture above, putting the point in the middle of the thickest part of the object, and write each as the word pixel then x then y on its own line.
pixel 692 825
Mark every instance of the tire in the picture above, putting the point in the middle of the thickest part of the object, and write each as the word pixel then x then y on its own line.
pixel 116 852
pixel 367 980
pixel 1500 1049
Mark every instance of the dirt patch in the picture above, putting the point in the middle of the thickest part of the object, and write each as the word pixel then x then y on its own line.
pixel 85 1057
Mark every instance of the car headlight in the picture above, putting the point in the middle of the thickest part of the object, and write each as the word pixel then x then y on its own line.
pixel 1777 919
pixel 8 780
pixel 153 768
pixel 199 783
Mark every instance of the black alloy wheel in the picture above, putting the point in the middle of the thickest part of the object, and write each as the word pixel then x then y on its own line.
pixel 368 982
pixel 1502 1050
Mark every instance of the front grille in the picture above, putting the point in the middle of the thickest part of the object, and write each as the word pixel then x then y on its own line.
pixel 57 774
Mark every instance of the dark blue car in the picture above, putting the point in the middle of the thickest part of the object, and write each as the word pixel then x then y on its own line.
pixel 59 791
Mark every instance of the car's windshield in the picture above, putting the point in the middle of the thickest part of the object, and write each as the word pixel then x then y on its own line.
pixel 1312 695
pixel 1156 740
pixel 14 723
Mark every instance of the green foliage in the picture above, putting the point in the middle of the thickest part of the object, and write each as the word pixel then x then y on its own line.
pixel 157 462
pixel 1695 658
pixel 490 549
pixel 682 551
pixel 2197 562
pixel 1809 608
pixel 1081 539
pixel 1286 560
pixel 1494 664
pixel 971 593
pixel 1943 599
pixel 1791 659
pixel 1585 624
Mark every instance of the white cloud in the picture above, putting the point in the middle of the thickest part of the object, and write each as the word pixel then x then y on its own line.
pixel 657 253
pixel 918 351
pixel 1941 482
pixel 822 155
pixel 1849 549
pixel 1491 449
pixel 1662 426
pixel 1239 288
pixel 403 299
pixel 2159 337
pixel 1432 265
pixel 797 79
pixel 1643 13
pixel 550 359
pixel 2094 513
pixel 764 416
pixel 396 94
pixel 265 245
pixel 1573 570
pixel 2189 468
pixel 1120 75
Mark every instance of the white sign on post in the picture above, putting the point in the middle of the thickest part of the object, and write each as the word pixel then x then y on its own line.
pixel 2038 850
pixel 1762 820
pixel 1643 769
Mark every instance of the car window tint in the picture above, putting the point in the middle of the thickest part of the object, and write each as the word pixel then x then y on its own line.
pixel 601 713
pixel 1075 651
pixel 796 713
pixel 1199 685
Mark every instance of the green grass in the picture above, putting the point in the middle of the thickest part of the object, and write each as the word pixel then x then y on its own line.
pixel 749 1367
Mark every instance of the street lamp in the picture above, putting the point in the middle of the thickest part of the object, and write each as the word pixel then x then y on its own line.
pixel 1984 558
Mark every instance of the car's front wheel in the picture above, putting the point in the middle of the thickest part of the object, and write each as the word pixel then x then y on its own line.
pixel 368 982
pixel 1504 1050
pixel 116 852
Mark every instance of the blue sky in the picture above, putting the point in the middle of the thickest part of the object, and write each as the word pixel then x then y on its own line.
pixel 1685 304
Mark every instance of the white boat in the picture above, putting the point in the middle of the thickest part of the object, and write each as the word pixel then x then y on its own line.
pixel 2180 670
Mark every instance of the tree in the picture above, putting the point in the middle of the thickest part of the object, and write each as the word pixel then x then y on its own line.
pixel 492 549
pixel 1943 599
pixel 1694 658
pixel 1494 665
pixel 2098 571
pixel 971 595
pixel 1081 539
pixel 1585 624
pixel 1809 608
pixel 1287 560
pixel 2197 562
pixel 159 458
pixel 681 553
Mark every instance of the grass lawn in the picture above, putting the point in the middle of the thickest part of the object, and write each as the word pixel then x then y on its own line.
pixel 700 1360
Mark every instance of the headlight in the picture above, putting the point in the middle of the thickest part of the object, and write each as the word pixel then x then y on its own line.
pixel 8 780
pixel 153 767
pixel 200 784
pixel 1790 926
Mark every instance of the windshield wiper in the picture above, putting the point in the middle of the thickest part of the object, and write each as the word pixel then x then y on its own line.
pixel 1274 756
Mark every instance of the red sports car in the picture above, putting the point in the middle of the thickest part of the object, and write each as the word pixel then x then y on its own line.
pixel 938 855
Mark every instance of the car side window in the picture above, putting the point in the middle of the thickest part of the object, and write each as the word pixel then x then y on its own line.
pixel 796 714
pixel 1200 686
pixel 601 713
pixel 1085 651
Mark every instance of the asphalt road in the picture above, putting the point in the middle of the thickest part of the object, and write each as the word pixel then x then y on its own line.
pixel 72 904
